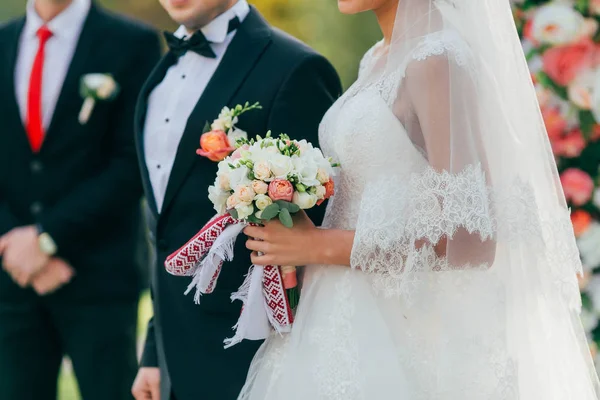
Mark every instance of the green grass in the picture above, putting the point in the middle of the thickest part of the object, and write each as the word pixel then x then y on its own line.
pixel 67 384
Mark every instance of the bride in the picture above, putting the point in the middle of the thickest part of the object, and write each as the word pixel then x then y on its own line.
pixel 446 265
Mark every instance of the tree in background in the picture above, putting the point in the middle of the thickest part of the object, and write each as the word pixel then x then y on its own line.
pixel 561 42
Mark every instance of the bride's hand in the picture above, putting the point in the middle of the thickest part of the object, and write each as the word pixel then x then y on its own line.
pixel 280 245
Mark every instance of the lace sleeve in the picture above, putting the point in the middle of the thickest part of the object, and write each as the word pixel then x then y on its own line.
pixel 439 215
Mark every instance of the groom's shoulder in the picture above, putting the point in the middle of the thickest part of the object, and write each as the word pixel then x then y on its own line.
pixel 286 45
pixel 10 26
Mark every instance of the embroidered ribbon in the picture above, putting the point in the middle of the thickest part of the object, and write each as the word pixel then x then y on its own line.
pixel 265 303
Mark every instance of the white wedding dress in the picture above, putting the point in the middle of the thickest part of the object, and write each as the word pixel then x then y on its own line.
pixel 408 323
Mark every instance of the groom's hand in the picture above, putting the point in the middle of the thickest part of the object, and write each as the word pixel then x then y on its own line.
pixel 147 384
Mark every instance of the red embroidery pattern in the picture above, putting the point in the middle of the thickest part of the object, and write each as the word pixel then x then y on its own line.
pixel 275 296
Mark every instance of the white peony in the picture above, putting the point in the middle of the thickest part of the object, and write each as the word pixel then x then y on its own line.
pixel 236 134
pixel 239 176
pixel 281 165
pixel 245 193
pixel 262 170
pixel 557 23
pixel 244 210
pixel 304 200
pixel 306 169
pixel 262 201
pixel 218 198
pixel 260 187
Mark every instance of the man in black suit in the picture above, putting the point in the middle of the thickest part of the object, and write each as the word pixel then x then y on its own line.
pixel 69 198
pixel 224 54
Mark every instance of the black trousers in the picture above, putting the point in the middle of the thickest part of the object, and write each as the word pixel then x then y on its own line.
pixel 99 338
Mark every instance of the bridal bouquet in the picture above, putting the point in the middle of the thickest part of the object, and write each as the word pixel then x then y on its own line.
pixel 263 179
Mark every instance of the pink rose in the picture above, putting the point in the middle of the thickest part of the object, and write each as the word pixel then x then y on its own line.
pixel 563 63
pixel 281 189
pixel 577 185
pixel 555 122
pixel 569 146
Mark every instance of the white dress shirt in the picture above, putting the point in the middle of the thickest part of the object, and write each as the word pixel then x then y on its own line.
pixel 172 101
pixel 66 28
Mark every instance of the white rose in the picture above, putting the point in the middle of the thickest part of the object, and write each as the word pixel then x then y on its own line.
pixel 218 198
pixel 239 176
pixel 232 201
pixel 236 134
pixel 262 201
pixel 244 210
pixel 245 193
pixel 322 176
pixel 260 187
pixel 581 90
pixel 320 192
pixel 262 170
pixel 304 200
pixel 557 23
pixel 280 165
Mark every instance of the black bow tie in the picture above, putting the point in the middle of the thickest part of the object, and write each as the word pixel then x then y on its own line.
pixel 197 43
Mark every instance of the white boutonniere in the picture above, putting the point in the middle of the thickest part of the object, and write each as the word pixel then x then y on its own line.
pixel 93 88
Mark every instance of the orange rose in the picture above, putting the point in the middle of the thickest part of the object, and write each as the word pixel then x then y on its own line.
pixel 329 191
pixel 581 221
pixel 563 63
pixel 214 145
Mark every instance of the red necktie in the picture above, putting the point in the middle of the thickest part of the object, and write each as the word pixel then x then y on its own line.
pixel 35 127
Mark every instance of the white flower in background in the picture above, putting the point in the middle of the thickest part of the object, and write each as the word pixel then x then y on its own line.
pixel 557 23
pixel 281 165
pixel 543 95
pixel 589 320
pixel 244 210
pixel 239 176
pixel 595 106
pixel 304 200
pixel 581 90
pixel 597 197
pixel 535 64
pixel 262 201
pixel 589 247
pixel 593 292
pixel 218 198
pixel 262 170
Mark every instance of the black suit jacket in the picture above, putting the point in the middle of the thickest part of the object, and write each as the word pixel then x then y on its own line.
pixel 83 186
pixel 295 86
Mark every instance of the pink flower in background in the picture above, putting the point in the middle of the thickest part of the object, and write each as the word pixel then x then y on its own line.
pixel 581 221
pixel 563 63
pixel 554 121
pixel 281 189
pixel 577 185
pixel 570 146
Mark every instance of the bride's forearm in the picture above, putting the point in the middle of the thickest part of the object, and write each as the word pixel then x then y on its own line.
pixel 332 247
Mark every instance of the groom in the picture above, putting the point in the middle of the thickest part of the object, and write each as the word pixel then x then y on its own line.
pixel 232 56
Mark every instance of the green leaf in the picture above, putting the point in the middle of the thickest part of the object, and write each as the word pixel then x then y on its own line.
pixel 252 218
pixel 270 212
pixel 291 207
pixel 206 127
pixel 586 123
pixel 233 212
pixel 286 218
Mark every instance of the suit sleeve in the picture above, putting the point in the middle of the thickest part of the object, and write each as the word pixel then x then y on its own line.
pixel 105 195
pixel 7 220
pixel 150 356
pixel 309 91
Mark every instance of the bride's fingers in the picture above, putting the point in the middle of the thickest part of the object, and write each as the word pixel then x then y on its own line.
pixel 257 245
pixel 255 232
pixel 263 260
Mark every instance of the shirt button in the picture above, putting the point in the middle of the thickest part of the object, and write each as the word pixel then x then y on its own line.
pixel 36 166
pixel 158 166
pixel 167 120
pixel 183 76
pixel 36 208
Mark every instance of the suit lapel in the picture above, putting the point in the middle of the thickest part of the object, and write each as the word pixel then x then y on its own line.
pixel 12 52
pixel 156 76
pixel 78 67
pixel 239 59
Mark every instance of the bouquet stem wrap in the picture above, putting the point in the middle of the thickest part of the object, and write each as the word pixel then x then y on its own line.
pixel 265 304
